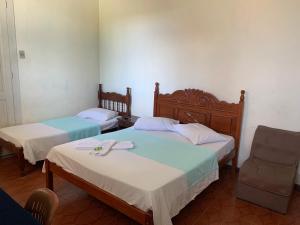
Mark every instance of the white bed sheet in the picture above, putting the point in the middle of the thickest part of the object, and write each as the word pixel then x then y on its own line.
pixel 109 124
pixel 222 148
pixel 165 191
pixel 37 139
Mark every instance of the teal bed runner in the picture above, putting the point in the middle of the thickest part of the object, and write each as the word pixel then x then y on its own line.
pixel 77 128
pixel 194 161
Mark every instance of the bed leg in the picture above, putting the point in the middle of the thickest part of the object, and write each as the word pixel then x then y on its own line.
pixel 234 165
pixel 49 176
pixel 21 162
pixel 148 220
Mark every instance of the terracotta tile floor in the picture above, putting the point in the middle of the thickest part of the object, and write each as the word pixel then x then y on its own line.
pixel 217 205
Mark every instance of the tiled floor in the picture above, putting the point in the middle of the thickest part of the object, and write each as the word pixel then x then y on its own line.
pixel 217 205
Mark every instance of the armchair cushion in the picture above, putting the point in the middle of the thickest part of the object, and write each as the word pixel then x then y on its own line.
pixel 271 177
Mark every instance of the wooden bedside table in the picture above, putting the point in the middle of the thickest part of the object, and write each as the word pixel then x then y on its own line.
pixel 127 121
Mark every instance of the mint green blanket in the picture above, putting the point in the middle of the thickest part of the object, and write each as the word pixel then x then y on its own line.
pixel 77 128
pixel 196 162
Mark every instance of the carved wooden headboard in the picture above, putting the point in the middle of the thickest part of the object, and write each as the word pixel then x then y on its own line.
pixel 115 101
pixel 197 106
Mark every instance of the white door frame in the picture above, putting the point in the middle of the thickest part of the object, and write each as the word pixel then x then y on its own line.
pixel 9 18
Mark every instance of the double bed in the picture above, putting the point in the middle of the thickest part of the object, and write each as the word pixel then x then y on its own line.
pixel 164 172
pixel 32 142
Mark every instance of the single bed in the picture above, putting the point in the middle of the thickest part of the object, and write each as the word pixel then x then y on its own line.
pixel 32 142
pixel 148 187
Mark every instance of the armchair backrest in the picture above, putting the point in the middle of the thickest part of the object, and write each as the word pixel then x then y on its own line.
pixel 275 145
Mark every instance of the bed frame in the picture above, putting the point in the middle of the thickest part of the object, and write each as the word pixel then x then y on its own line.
pixel 188 105
pixel 108 100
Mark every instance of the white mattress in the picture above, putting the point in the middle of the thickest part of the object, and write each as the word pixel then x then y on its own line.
pixel 37 139
pixel 164 192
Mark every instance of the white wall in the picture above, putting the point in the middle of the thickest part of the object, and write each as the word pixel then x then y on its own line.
pixel 219 46
pixel 60 74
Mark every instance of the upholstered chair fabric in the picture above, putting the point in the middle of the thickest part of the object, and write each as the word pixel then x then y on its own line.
pixel 267 178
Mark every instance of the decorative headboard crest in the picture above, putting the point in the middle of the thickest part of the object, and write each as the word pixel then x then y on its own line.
pixel 196 97
pixel 197 106
pixel 115 101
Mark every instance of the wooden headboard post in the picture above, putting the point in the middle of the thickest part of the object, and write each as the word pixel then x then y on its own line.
pixel 115 101
pixel 128 97
pixel 239 129
pixel 156 93
pixel 197 106
pixel 100 95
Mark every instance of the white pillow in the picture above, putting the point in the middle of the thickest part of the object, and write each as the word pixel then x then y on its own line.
pixel 198 134
pixel 98 114
pixel 155 123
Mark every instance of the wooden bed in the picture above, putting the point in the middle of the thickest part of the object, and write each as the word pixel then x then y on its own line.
pixel 197 106
pixel 107 100
pixel 188 105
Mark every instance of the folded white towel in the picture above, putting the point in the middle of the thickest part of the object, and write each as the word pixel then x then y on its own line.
pixel 123 145
pixel 104 149
pixel 88 144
